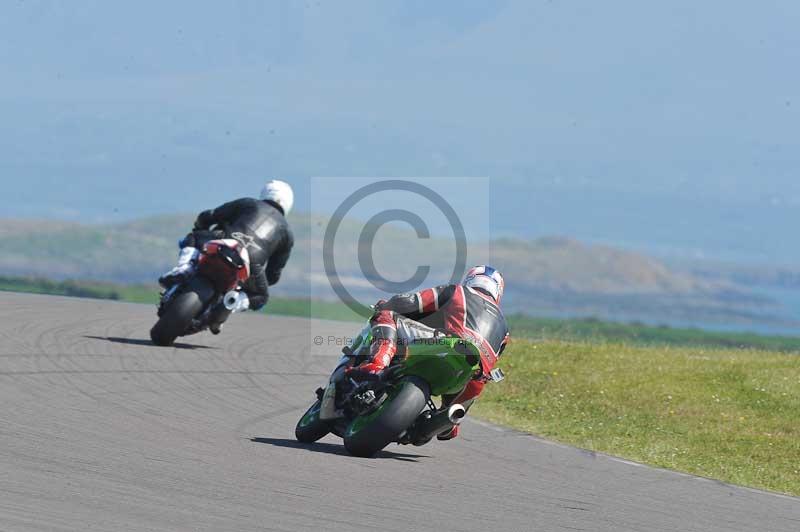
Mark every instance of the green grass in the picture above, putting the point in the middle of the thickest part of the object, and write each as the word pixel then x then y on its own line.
pixel 732 415
pixel 595 330
pixel 324 310
pixel 574 329
pixel 134 293
pixel 141 293
pixel 540 329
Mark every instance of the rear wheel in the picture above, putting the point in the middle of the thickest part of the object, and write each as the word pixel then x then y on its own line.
pixel 176 318
pixel 368 434
pixel 310 428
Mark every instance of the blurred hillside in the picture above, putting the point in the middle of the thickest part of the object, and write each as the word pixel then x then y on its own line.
pixel 547 276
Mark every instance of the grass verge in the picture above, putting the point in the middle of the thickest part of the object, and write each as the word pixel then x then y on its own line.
pixel 596 330
pixel 90 289
pixel 539 329
pixel 145 293
pixel 732 415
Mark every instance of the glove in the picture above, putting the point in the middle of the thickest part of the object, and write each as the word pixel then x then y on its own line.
pixel 365 372
pixel 236 301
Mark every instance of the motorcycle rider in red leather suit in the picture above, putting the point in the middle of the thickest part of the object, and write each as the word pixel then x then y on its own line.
pixel 470 310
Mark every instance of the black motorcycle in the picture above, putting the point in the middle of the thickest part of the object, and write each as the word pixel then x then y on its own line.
pixel 190 306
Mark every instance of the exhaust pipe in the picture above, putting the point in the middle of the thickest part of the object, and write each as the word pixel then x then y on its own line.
pixel 437 423
pixel 456 413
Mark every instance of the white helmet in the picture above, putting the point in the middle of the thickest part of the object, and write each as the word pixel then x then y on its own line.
pixel 487 279
pixel 280 192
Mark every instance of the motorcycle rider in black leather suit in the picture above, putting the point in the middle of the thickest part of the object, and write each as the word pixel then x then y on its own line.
pixel 261 226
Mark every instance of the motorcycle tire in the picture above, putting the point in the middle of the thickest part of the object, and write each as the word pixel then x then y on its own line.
pixel 176 318
pixel 369 434
pixel 310 428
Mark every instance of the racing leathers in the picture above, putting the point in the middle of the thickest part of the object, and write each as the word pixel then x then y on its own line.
pixel 455 309
pixel 261 227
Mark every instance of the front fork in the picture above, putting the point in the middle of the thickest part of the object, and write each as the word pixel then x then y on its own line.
pixel 166 297
pixel 328 395
pixel 350 356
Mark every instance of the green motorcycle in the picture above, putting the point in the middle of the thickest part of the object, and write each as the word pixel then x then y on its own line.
pixel 398 407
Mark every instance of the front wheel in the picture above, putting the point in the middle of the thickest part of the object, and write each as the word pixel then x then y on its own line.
pixel 176 318
pixel 310 428
pixel 368 434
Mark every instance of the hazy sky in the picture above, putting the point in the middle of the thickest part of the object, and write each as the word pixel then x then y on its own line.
pixel 670 126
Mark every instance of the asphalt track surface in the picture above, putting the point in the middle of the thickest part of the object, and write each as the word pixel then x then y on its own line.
pixel 99 430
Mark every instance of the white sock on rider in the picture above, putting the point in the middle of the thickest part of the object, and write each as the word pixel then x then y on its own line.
pixel 186 257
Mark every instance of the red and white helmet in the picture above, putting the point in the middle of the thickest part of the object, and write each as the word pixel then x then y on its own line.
pixel 487 279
